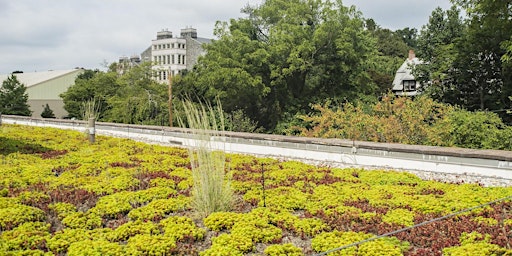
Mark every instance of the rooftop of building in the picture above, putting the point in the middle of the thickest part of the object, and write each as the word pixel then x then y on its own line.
pixel 33 78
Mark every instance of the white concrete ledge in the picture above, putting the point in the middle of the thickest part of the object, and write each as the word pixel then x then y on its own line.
pixel 495 164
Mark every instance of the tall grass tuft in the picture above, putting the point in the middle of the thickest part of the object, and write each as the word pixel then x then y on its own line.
pixel 212 190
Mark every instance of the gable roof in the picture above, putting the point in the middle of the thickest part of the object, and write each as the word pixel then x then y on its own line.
pixel 404 73
pixel 34 78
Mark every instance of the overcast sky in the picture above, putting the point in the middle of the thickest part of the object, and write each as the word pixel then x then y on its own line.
pixel 39 35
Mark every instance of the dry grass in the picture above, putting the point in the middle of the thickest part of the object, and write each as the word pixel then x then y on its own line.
pixel 211 190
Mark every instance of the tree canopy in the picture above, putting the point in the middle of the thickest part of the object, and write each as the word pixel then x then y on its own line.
pixel 284 56
pixel 132 97
pixel 14 97
pixel 467 58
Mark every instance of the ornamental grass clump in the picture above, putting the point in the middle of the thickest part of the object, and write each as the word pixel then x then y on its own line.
pixel 211 191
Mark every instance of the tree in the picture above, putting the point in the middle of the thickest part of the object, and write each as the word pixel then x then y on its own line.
pixel 13 98
pixel 284 56
pixel 90 86
pixel 465 58
pixel 485 82
pixel 437 46
pixel 138 99
pixel 392 50
pixel 47 112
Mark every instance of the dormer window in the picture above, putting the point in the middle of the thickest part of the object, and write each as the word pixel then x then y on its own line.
pixel 409 85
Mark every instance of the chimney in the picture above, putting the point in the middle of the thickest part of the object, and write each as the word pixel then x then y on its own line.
pixel 412 55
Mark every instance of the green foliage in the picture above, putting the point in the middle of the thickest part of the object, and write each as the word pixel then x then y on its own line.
pixel 229 244
pixel 150 245
pixel 331 240
pixel 399 216
pixel 420 121
pixel 132 97
pixel 159 208
pixel 182 229
pixel 283 56
pixel 149 208
pixel 62 209
pixel 132 228
pixel 13 97
pixel 464 69
pixel 100 247
pixel 310 226
pixel 479 130
pixel 17 214
pixel 218 221
pixel 283 249
pixel 88 220
pixel 61 240
pixel 475 243
pixel 47 112
pixel 29 235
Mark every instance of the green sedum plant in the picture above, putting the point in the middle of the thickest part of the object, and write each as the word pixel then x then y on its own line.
pixel 475 243
pixel 283 249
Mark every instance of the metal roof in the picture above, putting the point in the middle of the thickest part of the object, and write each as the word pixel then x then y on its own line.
pixel 33 78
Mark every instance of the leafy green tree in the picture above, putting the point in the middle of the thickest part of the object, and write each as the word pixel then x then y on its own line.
pixel 14 97
pixel 284 56
pixel 132 97
pixel 466 58
pixel 437 46
pixel 47 112
pixel 138 98
pixel 91 86
pixel 409 36
pixel 392 50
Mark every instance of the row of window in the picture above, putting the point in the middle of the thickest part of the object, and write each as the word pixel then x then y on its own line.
pixel 164 74
pixel 169 59
pixel 168 46
pixel 409 85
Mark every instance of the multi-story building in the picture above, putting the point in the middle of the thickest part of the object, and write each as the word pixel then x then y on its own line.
pixel 170 55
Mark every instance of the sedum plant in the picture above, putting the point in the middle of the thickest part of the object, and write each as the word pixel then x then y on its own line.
pixel 211 191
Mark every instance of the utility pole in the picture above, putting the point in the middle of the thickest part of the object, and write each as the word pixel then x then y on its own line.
pixel 170 98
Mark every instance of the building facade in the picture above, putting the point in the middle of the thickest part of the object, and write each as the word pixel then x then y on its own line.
pixel 45 88
pixel 170 55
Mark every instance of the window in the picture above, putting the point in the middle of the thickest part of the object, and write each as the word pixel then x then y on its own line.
pixel 168 46
pixel 172 59
pixel 409 85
